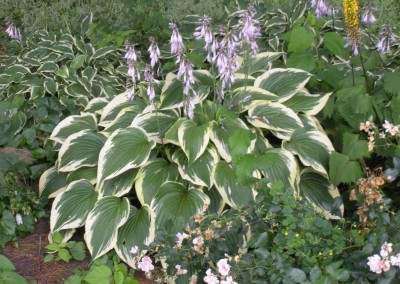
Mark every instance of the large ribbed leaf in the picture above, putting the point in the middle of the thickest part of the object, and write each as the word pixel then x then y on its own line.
pixel 307 103
pixel 137 231
pixel 71 208
pixel 119 185
pixel 96 105
pixel 321 193
pixel 232 192
pixel 284 83
pixel 88 173
pixel 258 63
pixel 200 171
pixel 282 167
pixel 103 222
pixel 52 182
pixel 171 93
pixel 175 202
pixel 156 124
pixel 123 119
pixel 171 135
pixel 151 176
pixel 312 147
pixel 80 150
pixel 193 139
pixel 125 149
pixel 244 96
pixel 274 116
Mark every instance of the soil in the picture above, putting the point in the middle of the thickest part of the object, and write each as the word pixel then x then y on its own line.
pixel 28 259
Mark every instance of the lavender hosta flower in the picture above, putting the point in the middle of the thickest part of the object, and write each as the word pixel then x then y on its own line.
pixel 204 32
pixel 177 46
pixel 146 264
pixel 368 16
pixel 149 78
pixel 387 37
pixel 185 73
pixel 12 31
pixel 154 52
pixel 322 8
pixel 249 29
pixel 133 71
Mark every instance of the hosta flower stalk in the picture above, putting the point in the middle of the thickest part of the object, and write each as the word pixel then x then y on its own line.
pixel 154 52
pixel 13 31
pixel 387 38
pixel 368 17
pixel 133 71
pixel 249 29
pixel 177 46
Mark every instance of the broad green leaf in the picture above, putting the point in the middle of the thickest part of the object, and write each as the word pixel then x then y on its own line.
pixel 193 139
pixel 171 135
pixel 6 264
pixel 297 275
pixel 119 185
pixel 63 72
pixel 335 43
pixel 103 222
pixel 16 68
pixel 217 203
pixel 151 176
pixel 284 83
pixel 99 275
pixel 78 251
pixel 199 172
pixel 125 149
pixel 11 277
pixel 301 60
pixel 76 90
pixel 312 147
pixel 78 61
pixel 85 25
pixel 73 124
pixel 52 182
pixel 139 230
pixel 344 170
pixel 391 82
pixel 124 118
pixel 258 63
pixel 80 150
pixel 243 97
pixel 71 208
pixel 96 105
pixel 175 202
pixel 37 92
pixel 241 80
pixel 355 148
pixel 102 52
pixel 241 142
pixel 320 192
pixel 50 67
pixel 171 93
pixel 204 77
pixel 229 188
pixel 51 87
pixel 274 116
pixel 307 103
pixel 300 39
pixel 112 109
pixel 88 173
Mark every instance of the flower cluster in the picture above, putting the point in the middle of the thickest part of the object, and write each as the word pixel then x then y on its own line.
pixel 12 31
pixel 383 45
pixel 154 52
pixel 185 73
pixel 249 29
pixel 368 17
pixel 350 8
pixel 370 128
pixel 146 264
pixel 203 31
pixel 384 261
pixel 224 270
pixel 177 46
pixel 149 78
pixel 133 70
pixel 322 8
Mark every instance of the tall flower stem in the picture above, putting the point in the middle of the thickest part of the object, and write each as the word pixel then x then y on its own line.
pixel 365 75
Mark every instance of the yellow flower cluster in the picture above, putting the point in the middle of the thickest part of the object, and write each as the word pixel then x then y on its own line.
pixel 350 8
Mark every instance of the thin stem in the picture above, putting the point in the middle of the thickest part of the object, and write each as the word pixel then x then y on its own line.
pixel 352 74
pixel 365 75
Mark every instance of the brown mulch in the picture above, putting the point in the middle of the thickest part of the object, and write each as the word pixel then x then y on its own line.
pixel 28 259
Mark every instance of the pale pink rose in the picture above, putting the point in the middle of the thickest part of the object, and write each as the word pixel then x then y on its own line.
pixel 199 241
pixel 18 219
pixel 210 278
pixel 385 265
pixel 134 250
pixel 386 249
pixel 223 267
pixel 395 260
pixel 229 280
pixel 374 263
pixel 146 264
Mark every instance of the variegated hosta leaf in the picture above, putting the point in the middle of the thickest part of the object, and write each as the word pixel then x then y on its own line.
pixel 312 147
pixel 156 124
pixel 71 208
pixel 123 119
pixel 52 182
pixel 80 150
pixel 284 83
pixel 204 77
pixel 312 122
pixel 259 63
pixel 200 171
pixel 307 103
pixel 88 173
pixel 193 139
pixel 262 143
pixel 217 203
pixel 103 222
pixel 118 103
pixel 242 97
pixel 151 176
pixel 274 116
pixel 220 133
pixel 282 167
pixel 190 203
pixel 119 185
pixel 241 80
pixel 232 192
pixel 321 193
pixel 96 105
pixel 171 135
pixel 171 93
pixel 138 231
pixel 73 124
pixel 102 52
pixel 125 149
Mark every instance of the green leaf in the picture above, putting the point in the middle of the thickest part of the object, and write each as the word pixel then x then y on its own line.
pixel 307 103
pixel 343 170
pixel 48 258
pixel 138 231
pixel 301 60
pixel 124 119
pixel 85 25
pixel 193 139
pixel 52 183
pixel 88 173
pixel 76 90
pixel 241 142
pixel 71 208
pixel 99 275
pixel 174 202
pixel 64 254
pixel 284 83
pixel 297 275
pixel 63 72
pixel 74 279
pixel 125 149
pixel 6 264
pixel 391 82
pixel 78 252
pixel 102 52
pixel 355 148
pixel 57 237
pixel 53 247
pixel 258 63
pixel 171 135
pixel 78 61
pixel 10 277
pixel 335 43
pixel 171 93
pixel 50 67
pixel 315 274
pixel 80 150
pixel 119 185
pixel 102 224
pixel 300 39
pixel 51 87
pixel 7 223
pixel 151 176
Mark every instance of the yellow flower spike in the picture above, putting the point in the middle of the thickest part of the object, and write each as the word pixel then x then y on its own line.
pixel 350 8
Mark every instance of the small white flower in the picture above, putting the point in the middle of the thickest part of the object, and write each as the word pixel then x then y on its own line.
pixel 134 250
pixel 395 260
pixel 146 264
pixel 18 219
pixel 223 267
pixel 229 280
pixel 386 249
pixel 181 237
pixel 179 270
pixel 210 278
pixel 199 241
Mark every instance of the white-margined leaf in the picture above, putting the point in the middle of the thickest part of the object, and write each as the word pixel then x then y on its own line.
pixel 204 77
pixel 217 203
pixel 307 103
pixel 232 192
pixel 190 203
pixel 312 147
pixel 52 182
pixel 73 124
pixel 139 230
pixel 119 185
pixel 241 80
pixel 125 149
pixel 193 139
pixel 242 97
pixel 171 93
pixel 102 52
pixel 200 171
pixel 71 208
pixel 259 63
pixel 151 176
pixel 80 150
pixel 321 193
pixel 96 105
pixel 88 173
pixel 103 222
pixel 124 118
pixel 171 135
pixel 283 82
pixel 274 116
